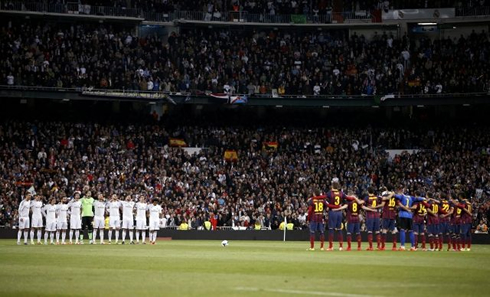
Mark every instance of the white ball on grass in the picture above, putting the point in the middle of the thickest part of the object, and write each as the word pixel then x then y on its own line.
pixel 224 243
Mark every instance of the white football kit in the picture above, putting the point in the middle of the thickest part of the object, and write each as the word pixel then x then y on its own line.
pixel 99 215
pixel 141 209
pixel 155 211
pixel 114 215
pixel 75 215
pixel 24 222
pixel 37 217
pixel 50 213
pixel 128 218
pixel 62 212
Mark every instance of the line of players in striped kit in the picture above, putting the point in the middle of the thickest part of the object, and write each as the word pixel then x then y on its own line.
pixel 437 216
pixel 58 215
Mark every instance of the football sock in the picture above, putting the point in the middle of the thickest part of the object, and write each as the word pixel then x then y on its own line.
pixel 449 242
pixel 143 236
pixel 81 236
pixel 330 238
pixel 94 237
pixel 322 240
pixel 58 236
pixel 131 236
pixel 412 238
pixel 46 237
pixel 424 239
pixel 63 236
pixel 137 236
pixel 90 235
pixel 378 240
pixel 123 234
pixel 51 237
pixel 71 235
pixel 359 240
pixel 463 240
pixel 110 235
pixel 341 238
pixel 77 235
pixel 468 241
pixel 383 240
pixel 431 242
pixel 349 240
pixel 39 235
pixel 416 243
pixel 26 234
pixel 402 237
pixel 31 235
pixel 19 235
pixel 101 234
pixel 312 241
pixel 394 239
pixel 117 235
pixel 370 240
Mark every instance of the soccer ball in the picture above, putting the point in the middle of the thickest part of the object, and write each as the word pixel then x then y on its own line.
pixel 224 243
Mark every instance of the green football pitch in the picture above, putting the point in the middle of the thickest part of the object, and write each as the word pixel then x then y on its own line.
pixel 244 268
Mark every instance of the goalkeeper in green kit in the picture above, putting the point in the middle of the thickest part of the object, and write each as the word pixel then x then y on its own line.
pixel 87 216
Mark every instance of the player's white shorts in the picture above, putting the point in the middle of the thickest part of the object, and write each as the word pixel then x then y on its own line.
pixel 99 223
pixel 24 223
pixel 75 223
pixel 50 226
pixel 61 225
pixel 37 222
pixel 114 223
pixel 141 224
pixel 154 225
pixel 127 224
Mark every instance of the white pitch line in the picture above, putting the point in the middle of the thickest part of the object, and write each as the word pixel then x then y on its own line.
pixel 298 292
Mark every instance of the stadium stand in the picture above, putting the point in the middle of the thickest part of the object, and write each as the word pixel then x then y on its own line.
pixel 104 56
pixel 274 171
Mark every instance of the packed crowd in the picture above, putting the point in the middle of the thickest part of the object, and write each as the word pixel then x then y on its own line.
pixel 270 7
pixel 254 62
pixel 265 183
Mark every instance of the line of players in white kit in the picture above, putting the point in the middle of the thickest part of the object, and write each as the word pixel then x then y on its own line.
pixel 57 216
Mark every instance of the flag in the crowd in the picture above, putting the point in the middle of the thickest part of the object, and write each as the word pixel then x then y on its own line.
pixel 31 191
pixel 177 142
pixel 270 145
pixel 231 99
pixel 298 18
pixel 231 155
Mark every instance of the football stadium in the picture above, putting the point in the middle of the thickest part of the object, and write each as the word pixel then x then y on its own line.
pixel 244 148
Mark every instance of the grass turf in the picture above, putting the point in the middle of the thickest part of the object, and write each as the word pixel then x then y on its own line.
pixel 244 268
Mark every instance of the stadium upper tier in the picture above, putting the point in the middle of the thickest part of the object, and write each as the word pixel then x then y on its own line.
pixel 302 62
pixel 272 11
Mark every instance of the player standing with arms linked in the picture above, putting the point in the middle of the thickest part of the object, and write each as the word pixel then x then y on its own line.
pixel 114 217
pixel 466 221
pixel 141 216
pixel 405 203
pixel 99 217
pixel 62 221
pixel 49 212
pixel 433 223
pixel 445 212
pixel 388 218
pixel 24 209
pixel 155 214
pixel 75 217
pixel 316 206
pixel 37 219
pixel 128 219
pixel 87 216
pixel 420 212
pixel 353 221
pixel 335 198
pixel 373 203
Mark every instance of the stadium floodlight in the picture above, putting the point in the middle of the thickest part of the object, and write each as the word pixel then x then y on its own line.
pixel 426 24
